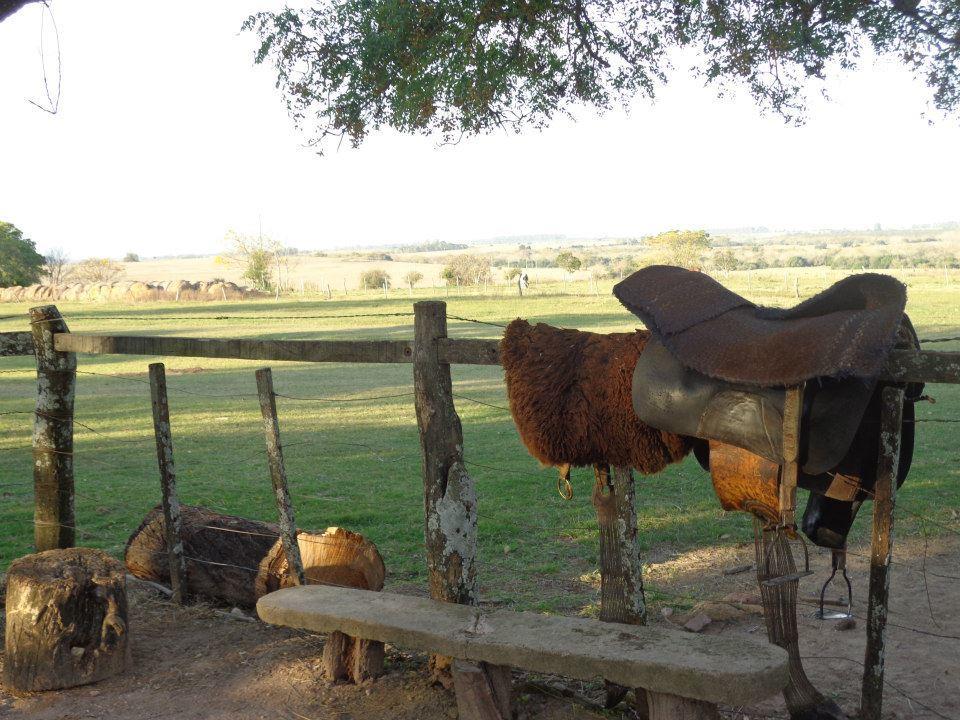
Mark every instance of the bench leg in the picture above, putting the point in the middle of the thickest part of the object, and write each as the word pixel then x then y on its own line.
pixel 351 659
pixel 673 707
pixel 366 660
pixel 484 691
pixel 336 654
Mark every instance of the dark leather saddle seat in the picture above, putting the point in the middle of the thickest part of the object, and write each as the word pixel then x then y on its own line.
pixel 845 331
pixel 718 367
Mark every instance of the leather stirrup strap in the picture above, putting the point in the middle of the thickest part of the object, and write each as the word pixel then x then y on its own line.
pixel 790 470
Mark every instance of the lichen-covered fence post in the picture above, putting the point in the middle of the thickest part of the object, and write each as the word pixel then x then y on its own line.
pixel 53 516
pixel 884 499
pixel 450 511
pixel 621 576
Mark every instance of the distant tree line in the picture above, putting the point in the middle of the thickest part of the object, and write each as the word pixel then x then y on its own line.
pixel 431 246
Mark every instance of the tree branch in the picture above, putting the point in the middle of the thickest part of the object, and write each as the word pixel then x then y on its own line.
pixel 9 7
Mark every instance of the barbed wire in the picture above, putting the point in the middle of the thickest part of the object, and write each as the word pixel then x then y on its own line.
pixel 475 320
pixel 480 402
pixel 350 399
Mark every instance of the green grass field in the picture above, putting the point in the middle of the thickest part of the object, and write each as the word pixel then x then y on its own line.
pixel 356 463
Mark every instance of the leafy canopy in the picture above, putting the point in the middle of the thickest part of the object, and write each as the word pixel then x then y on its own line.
pixel 463 67
pixel 20 263
pixel 412 278
pixel 681 247
pixel 374 279
pixel 568 261
pixel 466 269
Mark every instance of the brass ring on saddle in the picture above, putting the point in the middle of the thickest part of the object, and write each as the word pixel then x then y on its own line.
pixel 565 488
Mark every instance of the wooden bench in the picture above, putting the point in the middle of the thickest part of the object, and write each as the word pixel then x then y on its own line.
pixel 685 675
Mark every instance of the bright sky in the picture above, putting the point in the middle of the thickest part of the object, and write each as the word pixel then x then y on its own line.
pixel 168 136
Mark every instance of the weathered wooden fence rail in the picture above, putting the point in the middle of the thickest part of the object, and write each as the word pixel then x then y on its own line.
pixel 903 365
pixel 450 499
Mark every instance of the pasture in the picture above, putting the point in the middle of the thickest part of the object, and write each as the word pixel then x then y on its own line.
pixel 353 459
pixel 351 439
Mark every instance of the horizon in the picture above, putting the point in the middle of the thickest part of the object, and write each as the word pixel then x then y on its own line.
pixel 535 239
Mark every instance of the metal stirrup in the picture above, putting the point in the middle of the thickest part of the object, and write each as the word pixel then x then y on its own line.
pixel 839 562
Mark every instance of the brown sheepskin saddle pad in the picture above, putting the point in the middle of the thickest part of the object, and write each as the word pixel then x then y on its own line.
pixel 717 367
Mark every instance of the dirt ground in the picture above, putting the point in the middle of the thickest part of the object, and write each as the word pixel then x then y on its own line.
pixel 197 663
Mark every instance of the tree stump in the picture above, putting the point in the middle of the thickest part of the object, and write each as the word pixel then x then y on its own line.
pixel 66 620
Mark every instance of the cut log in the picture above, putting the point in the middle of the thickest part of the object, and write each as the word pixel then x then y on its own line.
pixel 344 558
pixel 235 560
pixel 337 557
pixel 222 552
pixel 66 620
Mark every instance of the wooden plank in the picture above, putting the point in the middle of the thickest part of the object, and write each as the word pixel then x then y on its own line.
pixel 16 343
pixel 168 482
pixel 359 351
pixel 884 500
pixel 902 366
pixel 278 473
pixel 922 366
pixel 787 491
pixel 463 351
pixel 53 515
pixel 713 668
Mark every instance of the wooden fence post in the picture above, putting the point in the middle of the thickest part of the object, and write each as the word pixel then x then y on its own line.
pixel 53 515
pixel 621 579
pixel 884 500
pixel 450 502
pixel 450 513
pixel 278 473
pixel 168 481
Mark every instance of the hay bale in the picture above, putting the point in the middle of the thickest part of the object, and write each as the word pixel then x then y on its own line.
pixel 73 291
pixel 140 291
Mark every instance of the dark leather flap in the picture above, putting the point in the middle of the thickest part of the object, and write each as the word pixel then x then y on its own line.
pixel 671 397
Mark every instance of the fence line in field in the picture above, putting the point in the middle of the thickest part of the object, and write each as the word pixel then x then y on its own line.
pixel 441 436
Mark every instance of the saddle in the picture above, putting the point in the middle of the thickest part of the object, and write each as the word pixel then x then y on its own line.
pixel 796 387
